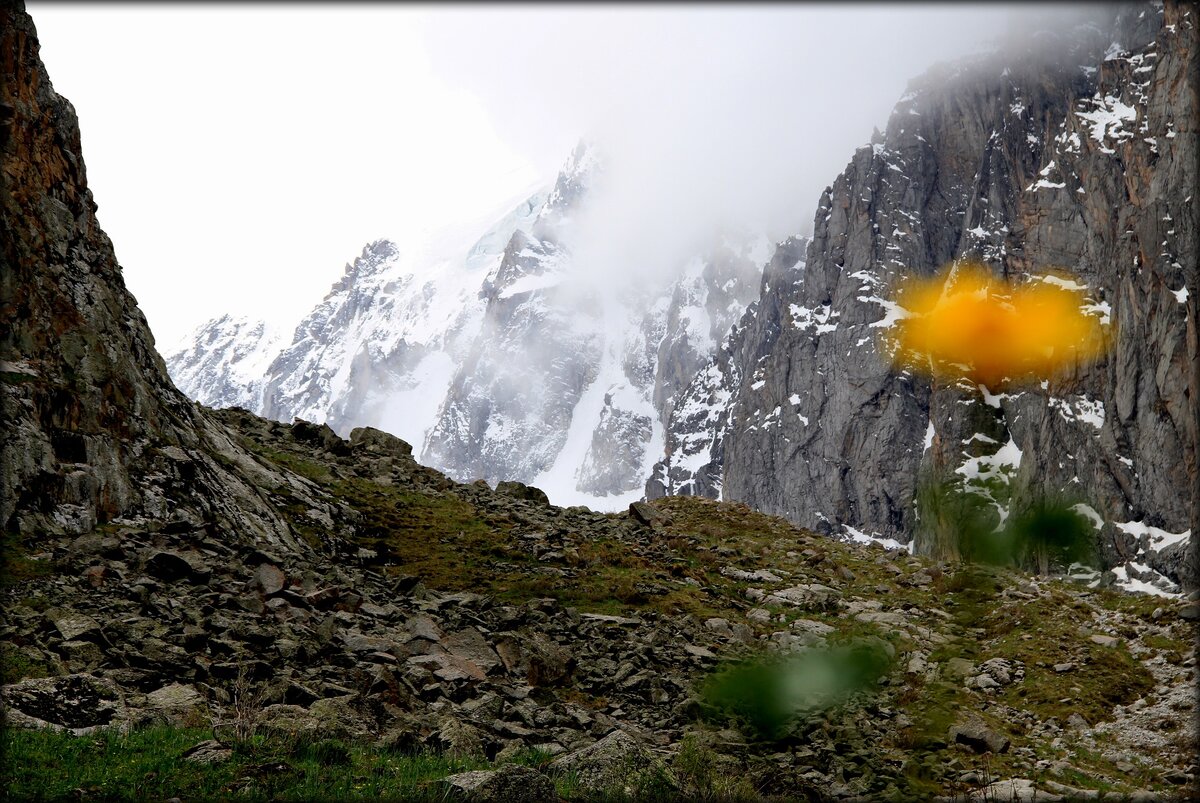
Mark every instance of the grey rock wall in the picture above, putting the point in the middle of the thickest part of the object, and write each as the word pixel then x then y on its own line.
pixel 1078 153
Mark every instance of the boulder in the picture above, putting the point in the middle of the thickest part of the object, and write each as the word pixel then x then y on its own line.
pixel 288 720
pixel 177 704
pixel 170 566
pixel 457 739
pixel 648 515
pixel 337 718
pixel 959 668
pixel 508 784
pixel 470 645
pixel 80 704
pixel 268 579
pixel 320 435
pixel 540 660
pixel 519 490
pixel 82 654
pixel 376 441
pixel 978 736
pixel 617 763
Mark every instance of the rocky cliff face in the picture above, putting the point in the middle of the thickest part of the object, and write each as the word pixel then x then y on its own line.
pixel 702 417
pixel 95 433
pixel 1078 152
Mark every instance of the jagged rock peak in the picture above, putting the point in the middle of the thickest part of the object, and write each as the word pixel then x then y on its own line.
pixel 375 255
pixel 574 181
pixel 223 362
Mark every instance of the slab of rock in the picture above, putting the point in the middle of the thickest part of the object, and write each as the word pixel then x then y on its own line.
pixel 81 704
pixel 423 627
pixel 449 668
pixel 757 576
pixel 978 736
pixel 209 751
pixel 805 595
pixel 1013 790
pixel 610 619
pixel 812 626
pixel 616 762
pixel 73 626
pixel 178 704
pixel 508 784
pixel 699 651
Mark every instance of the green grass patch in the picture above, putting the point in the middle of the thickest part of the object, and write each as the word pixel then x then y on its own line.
pixel 147 764
pixel 294 463
pixel 16 665
pixel 1139 605
pixel 16 565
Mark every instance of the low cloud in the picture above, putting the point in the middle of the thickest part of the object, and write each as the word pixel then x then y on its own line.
pixel 708 117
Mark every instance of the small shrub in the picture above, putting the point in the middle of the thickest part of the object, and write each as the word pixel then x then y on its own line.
pixel 695 764
pixel 326 752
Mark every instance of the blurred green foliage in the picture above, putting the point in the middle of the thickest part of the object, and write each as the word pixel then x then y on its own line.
pixel 1043 531
pixel 766 695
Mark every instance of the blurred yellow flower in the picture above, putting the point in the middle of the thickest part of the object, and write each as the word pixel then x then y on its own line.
pixel 966 323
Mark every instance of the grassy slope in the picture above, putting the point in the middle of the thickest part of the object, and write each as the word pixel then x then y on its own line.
pixel 453 544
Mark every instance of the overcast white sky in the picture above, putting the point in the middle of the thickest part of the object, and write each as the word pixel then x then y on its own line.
pixel 241 155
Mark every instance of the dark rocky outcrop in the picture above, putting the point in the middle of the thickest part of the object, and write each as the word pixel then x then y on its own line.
pixel 94 431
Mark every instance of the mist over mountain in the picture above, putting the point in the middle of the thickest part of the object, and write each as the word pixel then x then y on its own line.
pixel 624 331
pixel 540 350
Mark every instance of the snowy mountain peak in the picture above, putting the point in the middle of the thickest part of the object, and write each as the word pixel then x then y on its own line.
pixel 574 182
pixel 479 352
pixel 222 363
pixel 374 256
